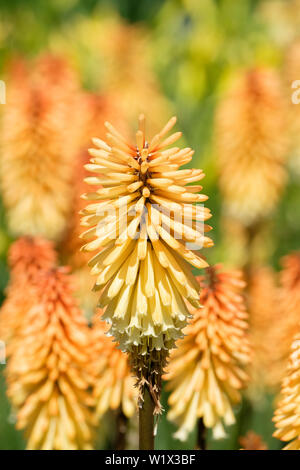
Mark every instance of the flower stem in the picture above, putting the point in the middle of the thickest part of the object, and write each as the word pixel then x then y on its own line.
pixel 201 435
pixel 146 421
pixel 251 233
pixel 121 424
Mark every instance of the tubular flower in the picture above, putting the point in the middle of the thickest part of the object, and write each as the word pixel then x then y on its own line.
pixel 251 161
pixel 292 73
pixel 252 441
pixel 49 375
pixel 287 414
pixel 289 304
pixel 26 258
pixel 36 148
pixel 206 372
pixel 143 225
pixel 274 318
pixel 265 327
pixel 114 388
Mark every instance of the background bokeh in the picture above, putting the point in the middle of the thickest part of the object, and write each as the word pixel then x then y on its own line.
pixel 184 56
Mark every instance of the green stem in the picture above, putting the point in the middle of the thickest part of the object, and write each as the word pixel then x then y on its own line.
pixel 146 422
pixel 201 435
pixel 121 424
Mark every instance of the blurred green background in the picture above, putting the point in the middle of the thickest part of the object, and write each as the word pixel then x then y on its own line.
pixel 195 48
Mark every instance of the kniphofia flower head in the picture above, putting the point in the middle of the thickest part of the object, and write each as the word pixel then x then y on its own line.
pixel 251 160
pixel 274 309
pixel 289 303
pixel 49 374
pixel 27 257
pixel 37 147
pixel 266 321
pixel 206 372
pixel 287 414
pixel 291 75
pixel 142 260
pixel 146 230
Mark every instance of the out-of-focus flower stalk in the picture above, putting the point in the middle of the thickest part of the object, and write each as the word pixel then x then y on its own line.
pixel 287 412
pixel 206 372
pixel 274 307
pixel 38 145
pixel 49 375
pixel 251 160
pixel 26 258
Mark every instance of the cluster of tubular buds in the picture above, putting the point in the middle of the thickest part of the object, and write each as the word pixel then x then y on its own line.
pixel 289 302
pixel 114 387
pixel 206 372
pixel 287 414
pixel 37 147
pixel 274 310
pixel 290 282
pixel 143 258
pixel 48 375
pixel 292 74
pixel 251 161
pixel 265 318
pixel 26 258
